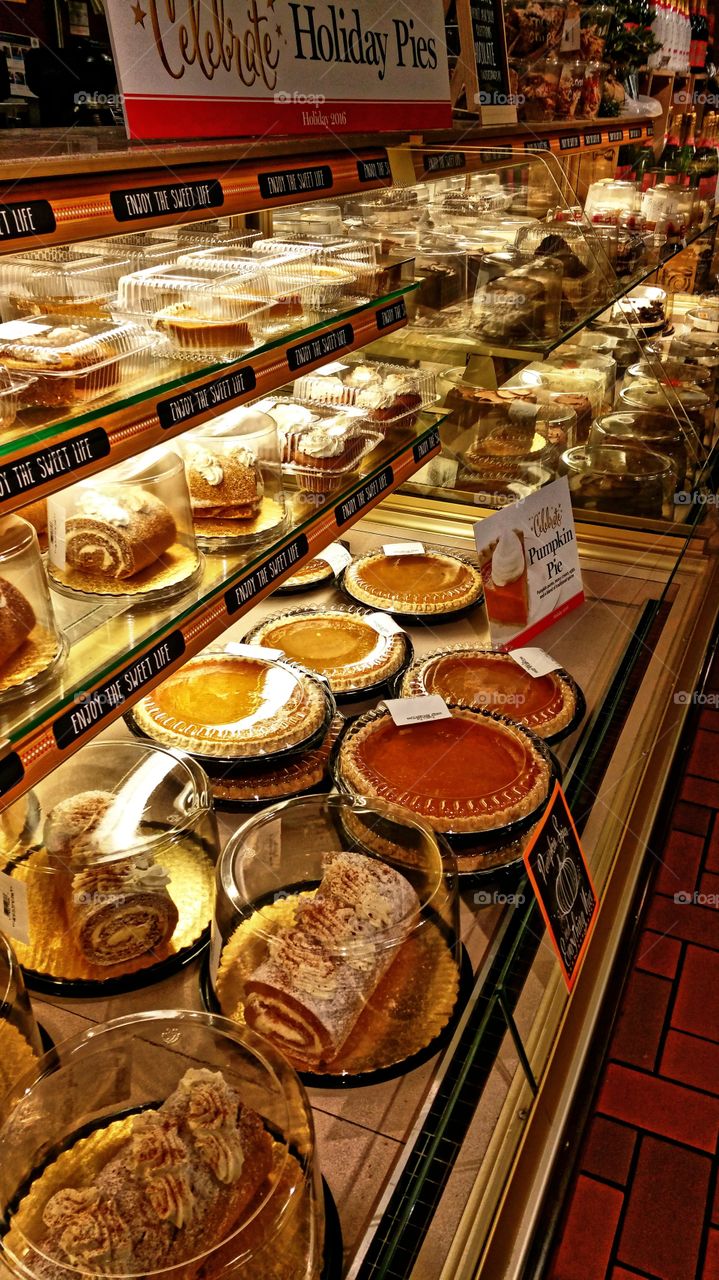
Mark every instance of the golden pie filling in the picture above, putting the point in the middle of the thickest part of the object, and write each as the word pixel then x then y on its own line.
pixel 226 705
pixel 495 682
pixel 346 649
pixel 430 582
pixel 469 773
pixel 315 570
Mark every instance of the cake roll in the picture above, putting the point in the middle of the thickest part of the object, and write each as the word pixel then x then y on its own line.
pixel 223 479
pixel 117 530
pixel 17 619
pixel 117 910
pixel 319 973
pixel 175 1189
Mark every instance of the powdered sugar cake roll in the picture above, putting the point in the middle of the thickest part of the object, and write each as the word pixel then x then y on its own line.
pixel 116 910
pixel 17 619
pixel 117 530
pixel 175 1189
pixel 307 995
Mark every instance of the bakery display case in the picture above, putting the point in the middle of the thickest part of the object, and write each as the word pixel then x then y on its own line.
pixel 447 330
pixel 19 1033
pixel 163 1142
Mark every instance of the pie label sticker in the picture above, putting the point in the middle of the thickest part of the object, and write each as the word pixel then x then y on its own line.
pixel 257 651
pixel 385 626
pixel 403 548
pixel 14 917
pixel 336 556
pixel 529 561
pixel 407 711
pixel 535 661
pixel 560 877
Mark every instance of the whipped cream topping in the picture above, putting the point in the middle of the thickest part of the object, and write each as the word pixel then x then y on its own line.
pixel 97 504
pixel 361 376
pixel 206 464
pixel 290 417
pixel 507 559
pixel 324 442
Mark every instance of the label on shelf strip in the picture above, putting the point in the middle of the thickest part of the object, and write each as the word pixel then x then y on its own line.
pixel 319 348
pixel 616 135
pixel 265 574
pixel 217 391
pixel 592 139
pixel 635 132
pixel 347 510
pixel 90 709
pixel 26 218
pixel 374 170
pixel 423 447
pixel 295 182
pixel 570 142
pixel 36 469
pixel 11 772
pixel 441 162
pixel 14 917
pixel 134 204
pixel 421 710
pixel 393 313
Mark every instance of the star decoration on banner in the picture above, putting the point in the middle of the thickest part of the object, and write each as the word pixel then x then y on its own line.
pixel 139 13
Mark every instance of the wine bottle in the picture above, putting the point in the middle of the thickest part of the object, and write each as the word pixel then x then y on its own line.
pixel 667 162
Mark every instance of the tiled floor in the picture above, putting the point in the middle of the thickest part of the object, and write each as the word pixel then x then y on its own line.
pixel 644 1201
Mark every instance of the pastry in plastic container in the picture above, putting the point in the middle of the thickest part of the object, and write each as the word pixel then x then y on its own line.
pixel 199 312
pixel 172 1144
pixel 657 432
pixel 71 362
pixel 234 475
pixel 320 446
pixel 385 393
pixel 77 288
pixel 259 783
pixel 127 532
pixel 119 877
pixel 317 939
pixel 623 479
pixel 14 391
pixel 32 648
pixel 522 306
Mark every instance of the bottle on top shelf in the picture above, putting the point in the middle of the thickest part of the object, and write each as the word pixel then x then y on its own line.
pixel 705 169
pixel 700 37
pixel 668 162
pixel 687 151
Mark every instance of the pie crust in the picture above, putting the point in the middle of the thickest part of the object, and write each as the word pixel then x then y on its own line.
pixel 313 572
pixel 431 582
pixel 340 644
pixel 222 704
pixel 291 778
pixel 474 772
pixel 485 680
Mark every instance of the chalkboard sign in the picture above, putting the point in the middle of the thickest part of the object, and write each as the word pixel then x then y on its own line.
pixel 558 870
pixel 490 51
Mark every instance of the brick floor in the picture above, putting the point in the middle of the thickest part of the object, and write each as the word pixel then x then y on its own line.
pixel 644 1200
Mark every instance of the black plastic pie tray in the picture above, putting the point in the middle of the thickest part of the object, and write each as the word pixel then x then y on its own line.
pixel 237 766
pixel 313 584
pixel 332 1252
pixel 414 619
pixel 253 805
pixel 470 843
pixel 382 688
pixel 319 1080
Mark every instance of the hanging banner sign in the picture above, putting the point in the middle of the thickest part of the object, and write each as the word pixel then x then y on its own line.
pixel 201 69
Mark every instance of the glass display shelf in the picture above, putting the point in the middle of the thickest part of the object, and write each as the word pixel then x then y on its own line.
pixel 109 641
pixel 169 396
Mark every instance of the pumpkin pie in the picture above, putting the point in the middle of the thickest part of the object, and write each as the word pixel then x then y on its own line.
pixel 471 773
pixel 350 649
pixel 312 574
pixel 489 681
pixel 263 782
pixel 428 582
pixel 224 704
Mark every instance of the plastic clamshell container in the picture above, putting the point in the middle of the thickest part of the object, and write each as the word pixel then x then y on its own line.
pixel 78 288
pixel 72 362
pixel 211 233
pixel 309 219
pixel 119 875
pixel 337 437
pixel 404 954
pixel 142 248
pixel 130 1084
pixel 339 260
pixel 14 391
pixel 384 393
pixel 31 646
pixel 196 311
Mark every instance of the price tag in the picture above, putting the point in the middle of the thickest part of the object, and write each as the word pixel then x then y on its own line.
pixel 14 918
pixel 384 624
pixel 407 711
pixel 253 651
pixel 403 548
pixel 336 556
pixel 534 661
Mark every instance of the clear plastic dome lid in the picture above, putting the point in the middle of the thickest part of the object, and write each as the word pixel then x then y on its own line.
pixel 31 646
pixel 161 1144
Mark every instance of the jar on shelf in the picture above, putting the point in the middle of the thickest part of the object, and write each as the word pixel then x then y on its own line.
pixel 20 1044
pixel 537 89
pixel 359 890
pixel 570 88
pixel 534 27
pixel 32 649
pixel 595 75
pixel 119 876
pixel 125 534
pixel 162 1143
pixel 234 474
pixel 595 22
pixel 622 480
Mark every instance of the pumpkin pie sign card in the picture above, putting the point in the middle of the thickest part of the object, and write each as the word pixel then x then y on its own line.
pixel 529 562
pixel 560 877
pixel 228 68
